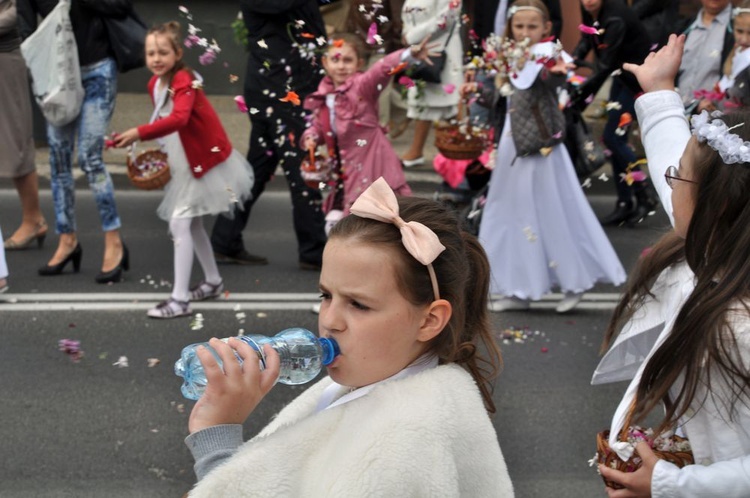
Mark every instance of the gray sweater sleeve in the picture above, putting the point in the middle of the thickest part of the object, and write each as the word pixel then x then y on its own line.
pixel 213 446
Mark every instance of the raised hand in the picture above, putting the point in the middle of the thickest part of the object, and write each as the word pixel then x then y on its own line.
pixel 424 50
pixel 232 393
pixel 660 68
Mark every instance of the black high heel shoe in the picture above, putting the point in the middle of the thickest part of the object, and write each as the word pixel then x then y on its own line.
pixel 74 256
pixel 115 274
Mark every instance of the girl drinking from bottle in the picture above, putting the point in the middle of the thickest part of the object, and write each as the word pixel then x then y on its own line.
pixel 404 409
pixel 686 337
pixel 538 228
pixel 208 175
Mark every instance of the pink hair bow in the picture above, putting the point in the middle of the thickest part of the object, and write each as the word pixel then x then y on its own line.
pixel 379 203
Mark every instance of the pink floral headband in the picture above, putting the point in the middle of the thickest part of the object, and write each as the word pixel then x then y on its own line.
pixel 379 203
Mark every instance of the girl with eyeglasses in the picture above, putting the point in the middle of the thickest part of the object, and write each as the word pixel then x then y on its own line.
pixel 682 329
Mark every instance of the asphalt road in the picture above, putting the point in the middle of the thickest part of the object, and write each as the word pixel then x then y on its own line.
pixel 97 428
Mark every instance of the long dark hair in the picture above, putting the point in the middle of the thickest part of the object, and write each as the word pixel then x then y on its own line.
pixel 702 345
pixel 463 275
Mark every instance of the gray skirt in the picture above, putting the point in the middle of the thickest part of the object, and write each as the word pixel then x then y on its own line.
pixel 16 133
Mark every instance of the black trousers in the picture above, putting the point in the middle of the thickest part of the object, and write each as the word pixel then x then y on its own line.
pixel 271 145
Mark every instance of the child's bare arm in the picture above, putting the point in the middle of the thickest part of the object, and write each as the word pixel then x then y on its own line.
pixel 127 137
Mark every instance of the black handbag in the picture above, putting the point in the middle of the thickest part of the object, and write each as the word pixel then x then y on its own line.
pixel 586 153
pixel 127 36
pixel 430 73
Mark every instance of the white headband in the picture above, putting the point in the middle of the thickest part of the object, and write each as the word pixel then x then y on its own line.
pixel 515 8
pixel 739 10
pixel 720 138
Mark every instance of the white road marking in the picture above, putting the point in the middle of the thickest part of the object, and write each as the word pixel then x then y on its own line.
pixel 235 301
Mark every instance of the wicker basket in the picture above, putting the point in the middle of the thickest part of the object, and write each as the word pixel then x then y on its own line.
pixel 148 170
pixel 315 169
pixel 609 458
pixel 457 139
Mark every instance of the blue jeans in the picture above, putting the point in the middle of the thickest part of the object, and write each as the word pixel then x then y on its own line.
pixel 100 89
pixel 622 154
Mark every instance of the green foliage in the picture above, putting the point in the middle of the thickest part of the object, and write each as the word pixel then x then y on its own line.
pixel 240 31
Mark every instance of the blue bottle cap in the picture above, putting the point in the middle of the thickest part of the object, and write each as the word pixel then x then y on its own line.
pixel 330 349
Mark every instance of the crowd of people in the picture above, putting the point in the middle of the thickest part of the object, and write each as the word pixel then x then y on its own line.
pixel 416 333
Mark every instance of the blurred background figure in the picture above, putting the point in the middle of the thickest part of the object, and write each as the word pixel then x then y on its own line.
pixel 275 66
pixel 620 38
pixel 429 102
pixel 16 137
pixel 387 17
pixel 86 135
pixel 707 46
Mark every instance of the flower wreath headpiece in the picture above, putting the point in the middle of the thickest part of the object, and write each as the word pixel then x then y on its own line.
pixel 739 10
pixel 719 136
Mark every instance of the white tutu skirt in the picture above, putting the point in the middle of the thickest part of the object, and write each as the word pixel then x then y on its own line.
pixel 539 230
pixel 223 189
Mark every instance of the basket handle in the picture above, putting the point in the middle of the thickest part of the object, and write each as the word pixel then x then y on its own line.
pixel 131 159
pixel 628 419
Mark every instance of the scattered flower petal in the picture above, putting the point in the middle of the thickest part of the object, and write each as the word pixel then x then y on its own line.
pixel 291 97
pixel 122 362
pixel 241 105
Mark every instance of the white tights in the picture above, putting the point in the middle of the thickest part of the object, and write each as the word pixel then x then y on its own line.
pixel 189 235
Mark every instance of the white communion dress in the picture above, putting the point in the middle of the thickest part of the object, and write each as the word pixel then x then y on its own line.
pixel 538 228
pixel 222 190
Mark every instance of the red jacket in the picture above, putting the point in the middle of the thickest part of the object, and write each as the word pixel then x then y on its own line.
pixel 202 136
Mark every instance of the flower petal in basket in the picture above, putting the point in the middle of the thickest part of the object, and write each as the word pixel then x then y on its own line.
pixel 149 170
pixel 678 454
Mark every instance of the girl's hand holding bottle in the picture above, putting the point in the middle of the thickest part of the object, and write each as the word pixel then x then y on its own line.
pixel 660 68
pixel 126 138
pixel 232 393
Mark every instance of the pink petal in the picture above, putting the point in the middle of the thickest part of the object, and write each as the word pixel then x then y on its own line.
pixel 241 105
pixel 638 176
pixel 371 32
pixel 588 30
pixel 449 88
pixel 406 81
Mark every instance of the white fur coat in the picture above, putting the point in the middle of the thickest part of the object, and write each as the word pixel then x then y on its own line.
pixel 425 435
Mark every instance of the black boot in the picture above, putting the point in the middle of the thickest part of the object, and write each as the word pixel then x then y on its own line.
pixel 647 202
pixel 623 210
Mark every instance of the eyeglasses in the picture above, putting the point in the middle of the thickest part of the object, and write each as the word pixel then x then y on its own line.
pixel 672 174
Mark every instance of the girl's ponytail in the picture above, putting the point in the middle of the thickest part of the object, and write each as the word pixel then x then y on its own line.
pixel 477 322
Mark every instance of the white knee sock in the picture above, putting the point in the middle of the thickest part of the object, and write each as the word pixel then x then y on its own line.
pixel 183 257
pixel 204 251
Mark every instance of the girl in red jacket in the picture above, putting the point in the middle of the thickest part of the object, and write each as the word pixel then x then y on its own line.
pixel 208 175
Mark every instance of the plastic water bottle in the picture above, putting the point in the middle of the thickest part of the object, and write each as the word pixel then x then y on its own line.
pixel 302 356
